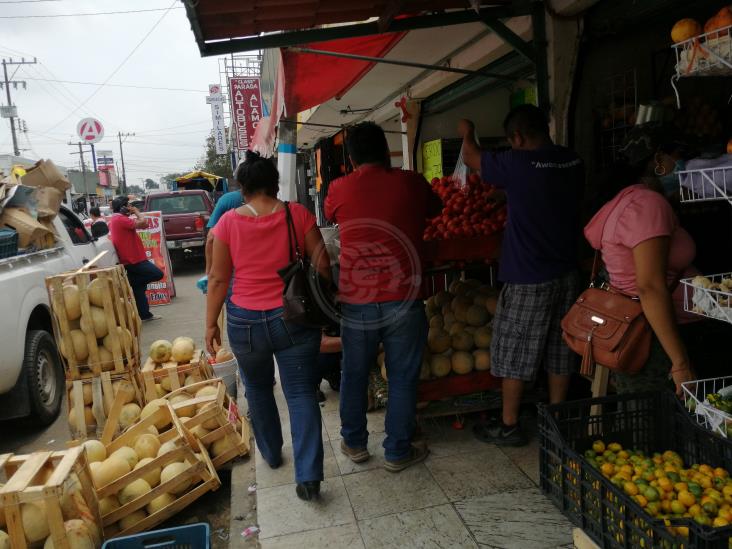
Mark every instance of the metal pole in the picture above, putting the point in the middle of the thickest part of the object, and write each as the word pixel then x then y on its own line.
pixel 94 156
pixel 83 167
pixel 122 158
pixel 16 151
pixel 403 63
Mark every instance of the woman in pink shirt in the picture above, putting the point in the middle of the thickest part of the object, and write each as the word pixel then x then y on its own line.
pixel 251 244
pixel 646 252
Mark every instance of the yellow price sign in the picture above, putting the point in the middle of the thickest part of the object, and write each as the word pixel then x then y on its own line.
pixel 432 159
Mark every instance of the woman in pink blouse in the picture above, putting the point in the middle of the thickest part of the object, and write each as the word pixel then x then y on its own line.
pixel 646 252
pixel 251 245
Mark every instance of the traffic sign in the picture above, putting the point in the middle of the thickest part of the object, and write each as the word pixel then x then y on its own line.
pixel 90 130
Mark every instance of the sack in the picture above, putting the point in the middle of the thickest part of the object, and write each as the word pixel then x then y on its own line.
pixel 461 171
pixel 608 327
pixel 307 299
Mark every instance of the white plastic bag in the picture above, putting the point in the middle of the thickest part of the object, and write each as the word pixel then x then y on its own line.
pixel 462 170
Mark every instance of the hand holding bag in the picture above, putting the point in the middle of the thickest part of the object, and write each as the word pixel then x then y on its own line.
pixel 307 298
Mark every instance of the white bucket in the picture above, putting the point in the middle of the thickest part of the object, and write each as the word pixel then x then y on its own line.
pixel 227 372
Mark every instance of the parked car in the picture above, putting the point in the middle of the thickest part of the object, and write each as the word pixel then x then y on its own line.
pixel 31 372
pixel 185 215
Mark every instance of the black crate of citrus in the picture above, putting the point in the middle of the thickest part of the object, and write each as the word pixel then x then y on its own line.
pixel 636 471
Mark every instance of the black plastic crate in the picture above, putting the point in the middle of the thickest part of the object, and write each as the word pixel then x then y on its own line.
pixel 8 242
pixel 651 422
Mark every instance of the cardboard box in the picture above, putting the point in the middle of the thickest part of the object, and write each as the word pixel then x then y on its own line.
pixel 30 232
pixel 48 202
pixel 46 174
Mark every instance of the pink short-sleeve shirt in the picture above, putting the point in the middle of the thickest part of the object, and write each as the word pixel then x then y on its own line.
pixel 638 214
pixel 259 248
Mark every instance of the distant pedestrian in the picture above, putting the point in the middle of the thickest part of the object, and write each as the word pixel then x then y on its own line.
pixel 226 202
pixel 99 226
pixel 123 227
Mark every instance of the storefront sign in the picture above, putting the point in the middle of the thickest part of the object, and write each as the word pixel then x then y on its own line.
pixel 432 159
pixel 216 100
pixel 246 109
pixel 153 239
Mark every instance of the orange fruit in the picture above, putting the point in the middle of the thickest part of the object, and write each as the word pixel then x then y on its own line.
pixel 694 510
pixel 665 484
pixel 598 446
pixel 614 447
pixel 631 488
pixel 642 501
pixel 721 473
pixel 607 469
pixel 681 487
pixel 719 522
pixel 677 507
pixel 706 469
pixel 687 498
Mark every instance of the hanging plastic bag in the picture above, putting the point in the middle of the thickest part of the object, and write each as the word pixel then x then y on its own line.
pixel 462 170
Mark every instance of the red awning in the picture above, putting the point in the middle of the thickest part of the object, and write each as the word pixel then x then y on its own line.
pixel 312 79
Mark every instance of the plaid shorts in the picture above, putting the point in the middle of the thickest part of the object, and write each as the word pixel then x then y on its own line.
pixel 527 332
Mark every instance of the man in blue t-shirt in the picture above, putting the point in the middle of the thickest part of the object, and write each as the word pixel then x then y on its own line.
pixel 226 202
pixel 543 185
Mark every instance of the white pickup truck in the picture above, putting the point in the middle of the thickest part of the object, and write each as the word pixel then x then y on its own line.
pixel 31 373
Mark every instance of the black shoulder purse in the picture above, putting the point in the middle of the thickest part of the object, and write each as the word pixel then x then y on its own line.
pixel 307 298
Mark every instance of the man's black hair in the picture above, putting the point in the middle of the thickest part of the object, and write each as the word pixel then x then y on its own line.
pixel 366 144
pixel 120 202
pixel 95 211
pixel 527 120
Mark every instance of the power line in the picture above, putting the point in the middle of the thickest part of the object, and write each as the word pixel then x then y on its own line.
pixel 26 1
pixel 118 85
pixel 57 15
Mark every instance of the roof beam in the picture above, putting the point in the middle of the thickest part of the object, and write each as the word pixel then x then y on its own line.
pixel 391 10
pixel 296 38
pixel 511 38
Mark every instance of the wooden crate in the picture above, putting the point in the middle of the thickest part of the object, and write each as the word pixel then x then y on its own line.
pixel 201 472
pixel 152 373
pixel 102 400
pixel 46 478
pixel 119 310
pixel 224 418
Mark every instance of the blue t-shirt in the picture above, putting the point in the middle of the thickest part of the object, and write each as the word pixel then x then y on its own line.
pixel 544 189
pixel 226 202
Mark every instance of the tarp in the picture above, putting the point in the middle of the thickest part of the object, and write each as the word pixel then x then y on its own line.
pixel 198 175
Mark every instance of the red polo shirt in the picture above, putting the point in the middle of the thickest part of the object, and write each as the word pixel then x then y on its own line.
pixel 127 243
pixel 381 213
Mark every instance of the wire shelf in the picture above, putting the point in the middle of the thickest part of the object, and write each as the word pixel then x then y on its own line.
pixel 709 54
pixel 709 296
pixel 696 400
pixel 706 184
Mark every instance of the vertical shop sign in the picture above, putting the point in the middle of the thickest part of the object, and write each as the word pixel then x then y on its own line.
pixel 156 249
pixel 432 159
pixel 216 100
pixel 245 99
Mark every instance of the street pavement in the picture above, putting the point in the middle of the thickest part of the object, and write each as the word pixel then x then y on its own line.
pixel 185 316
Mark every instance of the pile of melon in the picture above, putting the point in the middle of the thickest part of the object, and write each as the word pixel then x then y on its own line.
pixel 164 354
pixel 144 449
pixel 460 333
pixel 94 322
pixel 129 414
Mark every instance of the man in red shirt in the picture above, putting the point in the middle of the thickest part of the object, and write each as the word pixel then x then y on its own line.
pixel 131 252
pixel 381 213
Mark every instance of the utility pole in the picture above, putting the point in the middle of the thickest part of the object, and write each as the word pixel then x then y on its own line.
pixel 83 164
pixel 120 135
pixel 7 82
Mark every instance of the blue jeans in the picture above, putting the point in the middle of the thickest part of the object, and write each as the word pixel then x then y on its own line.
pixel 140 275
pixel 255 336
pixel 402 328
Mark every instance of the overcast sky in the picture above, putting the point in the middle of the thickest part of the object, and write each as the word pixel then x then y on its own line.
pixel 171 126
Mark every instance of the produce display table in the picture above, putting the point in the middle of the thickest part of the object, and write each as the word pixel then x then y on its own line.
pixel 458 385
pixel 463 249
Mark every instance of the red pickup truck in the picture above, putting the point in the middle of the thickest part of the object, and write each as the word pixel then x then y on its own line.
pixel 185 215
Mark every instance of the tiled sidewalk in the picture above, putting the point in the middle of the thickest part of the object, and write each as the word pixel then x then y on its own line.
pixel 466 494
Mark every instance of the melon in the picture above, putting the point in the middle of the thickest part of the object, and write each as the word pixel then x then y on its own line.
pixel 431 307
pixel 440 365
pixel 108 504
pixel 477 316
pixel 437 321
pixel 439 341
pixel 460 301
pixel 199 431
pixel 135 489
pixel 129 414
pixel 152 407
pixel 183 411
pixel 456 328
pixel 160 350
pixel 132 519
pixel 208 391
pixel 491 304
pixel 483 337
pixel 4 540
pixel 86 390
pixel 98 293
pixel 182 349
pixel 117 385
pixel 159 391
pixel 110 470
pixel 167 447
pixel 442 298
pixel 94 468
pixel 159 503
pixel 223 355
pixel 462 341
pixel 72 302
pixel 35 521
pixel 106 359
pixel 458 287
pixel 480 299
pixel 167 384
pixel 78 536
pixel 447 308
pixel 470 329
pixel 95 322
pixel 482 360
pixel 172 471
pixel 95 451
pixel 89 419
pixel 151 477
pixel 211 423
pixel 221 446
pixel 128 454
pixel 460 310
pixel 448 320
pixel 147 446
pixel 124 336
pixel 78 343
pixel 462 362
pixel 69 491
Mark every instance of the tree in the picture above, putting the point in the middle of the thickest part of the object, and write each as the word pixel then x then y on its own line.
pixel 135 189
pixel 217 164
pixel 169 179
pixel 150 184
